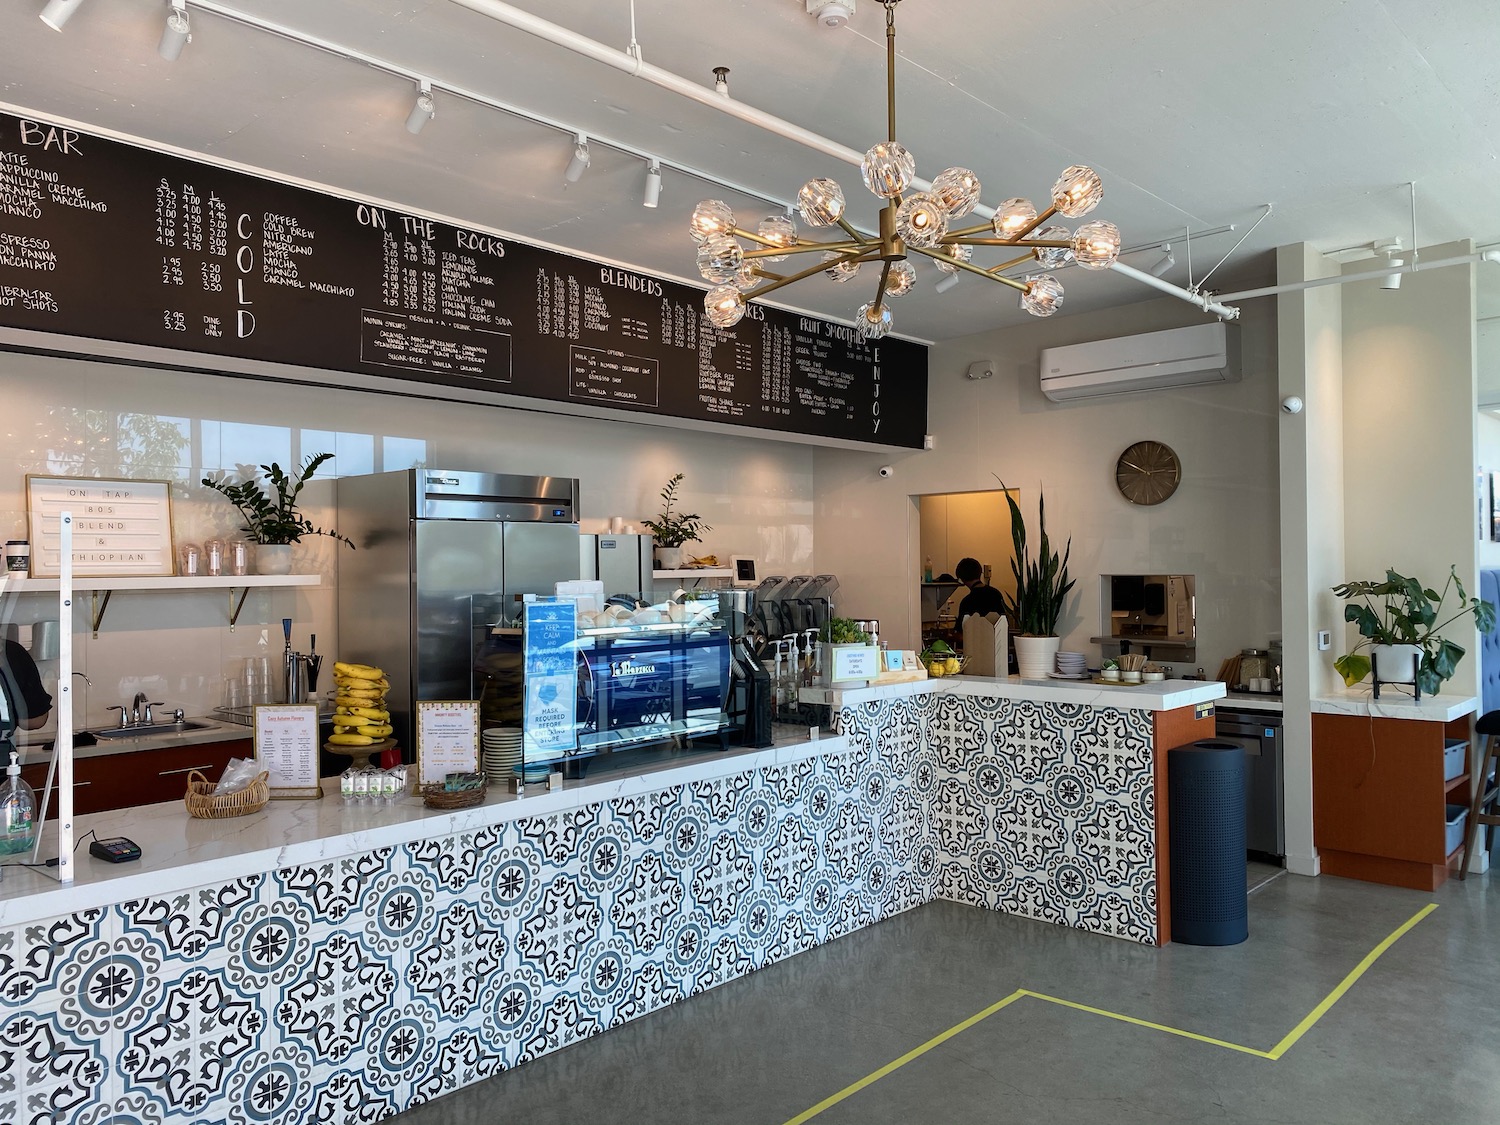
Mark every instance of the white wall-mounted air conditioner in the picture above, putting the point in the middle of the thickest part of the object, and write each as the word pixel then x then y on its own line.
pixel 1178 357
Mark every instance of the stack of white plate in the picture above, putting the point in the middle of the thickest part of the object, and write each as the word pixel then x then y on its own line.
pixel 499 753
pixel 1071 665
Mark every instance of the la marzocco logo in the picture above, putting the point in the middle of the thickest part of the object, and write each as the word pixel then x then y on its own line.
pixel 619 668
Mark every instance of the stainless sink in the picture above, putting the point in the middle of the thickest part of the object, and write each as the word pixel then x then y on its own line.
pixel 154 728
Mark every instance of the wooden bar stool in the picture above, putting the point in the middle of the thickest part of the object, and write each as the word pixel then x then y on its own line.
pixel 1482 810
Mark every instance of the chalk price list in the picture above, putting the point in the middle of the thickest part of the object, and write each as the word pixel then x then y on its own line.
pixel 101 240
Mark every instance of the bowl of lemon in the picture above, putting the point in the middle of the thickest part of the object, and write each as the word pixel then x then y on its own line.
pixel 940 660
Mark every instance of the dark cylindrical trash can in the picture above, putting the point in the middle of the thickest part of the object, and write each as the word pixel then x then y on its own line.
pixel 1206 818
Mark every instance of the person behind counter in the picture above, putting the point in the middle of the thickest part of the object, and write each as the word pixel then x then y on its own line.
pixel 25 684
pixel 982 598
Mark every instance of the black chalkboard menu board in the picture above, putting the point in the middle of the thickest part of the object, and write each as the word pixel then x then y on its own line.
pixel 109 241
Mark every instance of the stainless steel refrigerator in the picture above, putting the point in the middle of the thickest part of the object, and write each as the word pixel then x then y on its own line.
pixel 441 558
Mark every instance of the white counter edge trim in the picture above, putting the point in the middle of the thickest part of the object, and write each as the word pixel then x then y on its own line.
pixel 1395 704
pixel 1168 695
pixel 317 831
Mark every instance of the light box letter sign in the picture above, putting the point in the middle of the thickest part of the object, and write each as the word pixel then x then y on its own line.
pixel 121 528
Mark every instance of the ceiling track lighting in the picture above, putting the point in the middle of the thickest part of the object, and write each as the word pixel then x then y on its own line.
pixel 947 283
pixel 652 194
pixel 1168 260
pixel 909 221
pixel 423 110
pixel 177 33
pixel 1389 249
pixel 59 12
pixel 580 162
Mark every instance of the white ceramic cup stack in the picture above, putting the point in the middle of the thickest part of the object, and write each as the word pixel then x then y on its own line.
pixel 1072 665
pixel 499 753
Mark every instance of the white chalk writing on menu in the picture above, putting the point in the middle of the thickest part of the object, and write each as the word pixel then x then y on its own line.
pixel 165 256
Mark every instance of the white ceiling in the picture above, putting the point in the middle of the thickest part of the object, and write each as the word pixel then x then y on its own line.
pixel 1195 114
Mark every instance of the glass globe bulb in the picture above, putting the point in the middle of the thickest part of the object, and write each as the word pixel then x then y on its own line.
pixel 903 276
pixel 780 230
pixel 1096 245
pixel 1043 296
pixel 821 202
pixel 958 188
pixel 958 250
pixel 1053 257
pixel 888 169
pixel 724 305
pixel 1077 191
pixel 921 220
pixel 712 216
pixel 720 257
pixel 746 277
pixel 1014 216
pixel 842 270
pixel 872 323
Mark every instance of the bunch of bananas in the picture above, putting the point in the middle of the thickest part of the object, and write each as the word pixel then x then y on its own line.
pixel 704 560
pixel 360 718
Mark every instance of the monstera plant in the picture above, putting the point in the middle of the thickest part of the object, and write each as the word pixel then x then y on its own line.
pixel 1401 620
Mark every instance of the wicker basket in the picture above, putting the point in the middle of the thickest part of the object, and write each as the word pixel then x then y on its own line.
pixel 434 796
pixel 202 803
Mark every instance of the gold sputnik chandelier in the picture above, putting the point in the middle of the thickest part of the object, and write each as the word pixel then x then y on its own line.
pixel 909 221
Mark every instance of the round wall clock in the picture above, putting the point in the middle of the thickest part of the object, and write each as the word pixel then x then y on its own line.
pixel 1148 472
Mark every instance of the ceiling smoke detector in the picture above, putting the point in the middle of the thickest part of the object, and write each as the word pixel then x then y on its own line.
pixel 831 13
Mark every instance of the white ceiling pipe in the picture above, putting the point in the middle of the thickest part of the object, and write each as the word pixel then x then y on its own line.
pixel 1207 304
pixel 1367 275
pixel 703 95
pixel 630 64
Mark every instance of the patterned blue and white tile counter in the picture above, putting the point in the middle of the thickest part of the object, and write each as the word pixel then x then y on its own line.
pixel 318 962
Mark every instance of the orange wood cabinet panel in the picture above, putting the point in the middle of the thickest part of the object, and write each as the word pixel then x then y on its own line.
pixel 1378 797
pixel 1170 728
pixel 142 777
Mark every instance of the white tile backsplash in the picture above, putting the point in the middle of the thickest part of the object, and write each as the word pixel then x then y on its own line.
pixel 81 417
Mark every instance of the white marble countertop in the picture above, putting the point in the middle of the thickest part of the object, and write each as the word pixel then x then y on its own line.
pixel 1395 704
pixel 179 853
pixel 34 749
pixel 1167 695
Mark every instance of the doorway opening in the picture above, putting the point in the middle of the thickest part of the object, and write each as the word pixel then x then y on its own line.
pixel 954 526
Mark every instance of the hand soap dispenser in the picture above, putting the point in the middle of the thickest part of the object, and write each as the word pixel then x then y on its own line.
pixel 17 809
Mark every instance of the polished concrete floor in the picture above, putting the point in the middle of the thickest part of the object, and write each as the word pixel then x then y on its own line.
pixel 1416 1038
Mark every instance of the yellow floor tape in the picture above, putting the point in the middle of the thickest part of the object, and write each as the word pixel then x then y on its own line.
pixel 1273 1054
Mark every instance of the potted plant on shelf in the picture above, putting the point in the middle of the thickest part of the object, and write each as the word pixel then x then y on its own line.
pixel 1041 585
pixel 1399 624
pixel 272 520
pixel 672 530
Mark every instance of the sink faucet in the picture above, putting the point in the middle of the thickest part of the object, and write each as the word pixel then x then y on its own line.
pixel 140 709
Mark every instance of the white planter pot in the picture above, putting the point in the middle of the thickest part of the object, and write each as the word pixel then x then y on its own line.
pixel 273 558
pixel 668 558
pixel 1393 663
pixel 1036 656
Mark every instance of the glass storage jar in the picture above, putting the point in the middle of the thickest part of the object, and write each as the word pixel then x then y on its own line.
pixel 1253 666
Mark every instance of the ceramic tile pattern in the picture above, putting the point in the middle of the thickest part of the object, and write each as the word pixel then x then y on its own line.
pixel 348 990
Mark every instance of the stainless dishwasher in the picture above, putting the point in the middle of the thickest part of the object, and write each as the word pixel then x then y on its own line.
pixel 1259 732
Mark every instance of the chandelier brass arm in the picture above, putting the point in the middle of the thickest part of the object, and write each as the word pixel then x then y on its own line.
pixel 909 221
pixel 969 267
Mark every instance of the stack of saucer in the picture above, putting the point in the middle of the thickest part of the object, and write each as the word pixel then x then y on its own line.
pixel 500 753
pixel 1071 665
